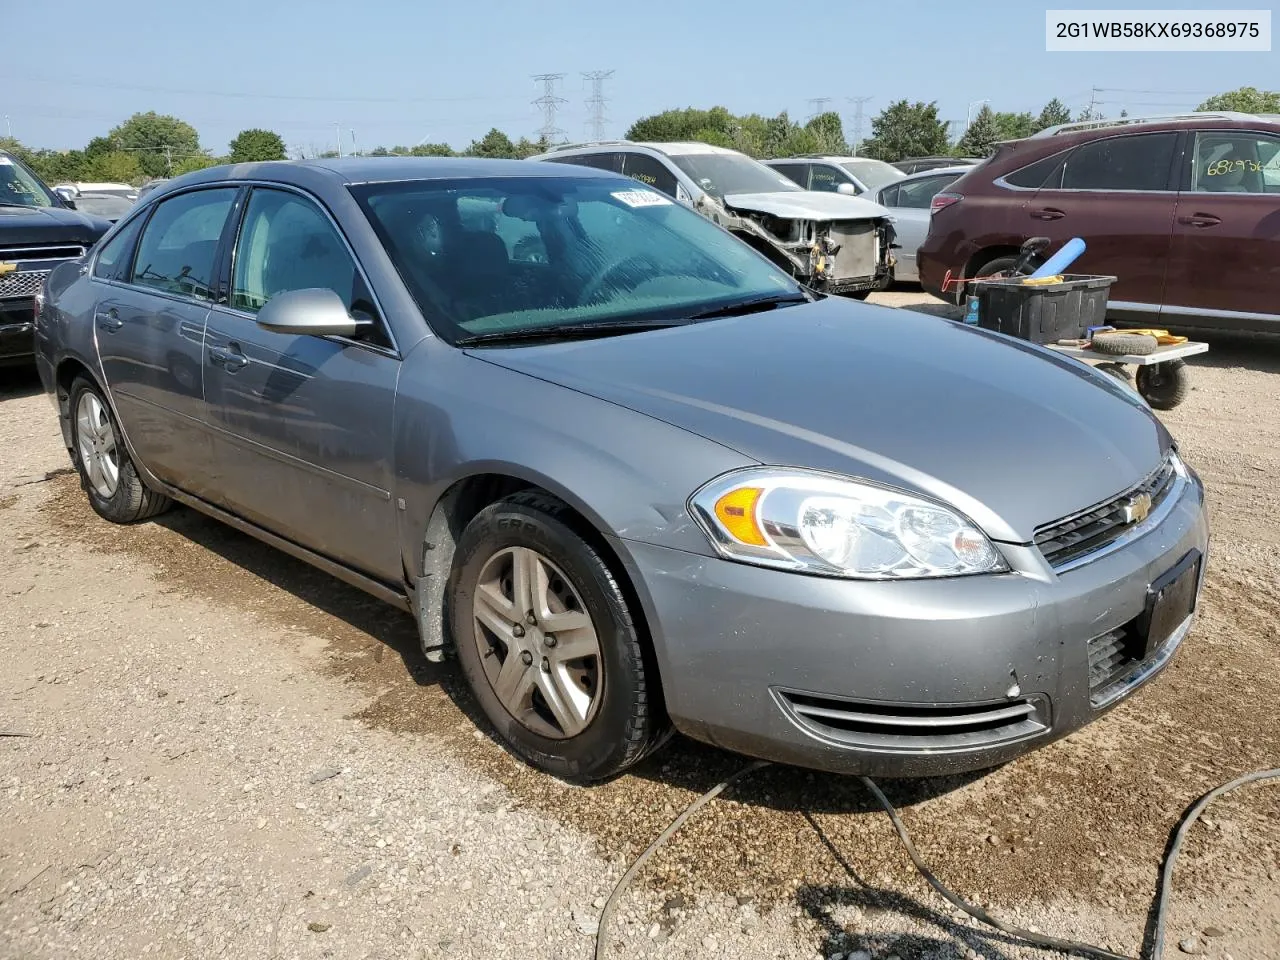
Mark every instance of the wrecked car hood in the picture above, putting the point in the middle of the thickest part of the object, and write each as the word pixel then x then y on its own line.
pixel 808 205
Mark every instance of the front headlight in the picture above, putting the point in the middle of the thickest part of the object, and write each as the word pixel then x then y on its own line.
pixel 816 523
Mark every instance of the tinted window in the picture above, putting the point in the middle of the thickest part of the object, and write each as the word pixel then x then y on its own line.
pixel 793 171
pixel 612 251
pixel 1042 173
pixel 178 246
pixel 113 259
pixel 889 196
pixel 1236 163
pixel 827 178
pixel 917 194
pixel 597 161
pixel 1121 163
pixel 650 172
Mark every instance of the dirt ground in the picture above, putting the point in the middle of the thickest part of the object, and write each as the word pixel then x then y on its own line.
pixel 210 750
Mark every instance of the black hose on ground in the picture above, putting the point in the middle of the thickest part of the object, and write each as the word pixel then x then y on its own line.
pixel 1161 901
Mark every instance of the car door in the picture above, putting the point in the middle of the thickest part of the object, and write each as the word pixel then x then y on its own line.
pixel 153 299
pixel 303 423
pixel 1224 262
pixel 1118 195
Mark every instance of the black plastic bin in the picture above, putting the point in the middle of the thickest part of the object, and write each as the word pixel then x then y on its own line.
pixel 1042 313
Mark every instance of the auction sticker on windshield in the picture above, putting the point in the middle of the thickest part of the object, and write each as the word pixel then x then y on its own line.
pixel 641 198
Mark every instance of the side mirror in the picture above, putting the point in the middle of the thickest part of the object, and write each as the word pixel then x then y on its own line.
pixel 848 189
pixel 67 195
pixel 314 312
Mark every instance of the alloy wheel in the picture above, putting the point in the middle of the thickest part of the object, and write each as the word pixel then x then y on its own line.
pixel 537 643
pixel 98 447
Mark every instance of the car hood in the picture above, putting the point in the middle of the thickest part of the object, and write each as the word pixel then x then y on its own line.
pixel 20 226
pixel 807 205
pixel 1009 433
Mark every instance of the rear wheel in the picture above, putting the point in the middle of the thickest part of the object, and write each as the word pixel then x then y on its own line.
pixel 107 473
pixel 548 644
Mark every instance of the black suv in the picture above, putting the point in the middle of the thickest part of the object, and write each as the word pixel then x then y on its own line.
pixel 38 230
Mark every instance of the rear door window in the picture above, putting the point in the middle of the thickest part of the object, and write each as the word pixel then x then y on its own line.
pixel 1045 173
pixel 826 178
pixel 794 171
pixel 177 250
pixel 1230 162
pixel 1135 163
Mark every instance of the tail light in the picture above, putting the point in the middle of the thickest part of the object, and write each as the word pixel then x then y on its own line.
pixel 941 201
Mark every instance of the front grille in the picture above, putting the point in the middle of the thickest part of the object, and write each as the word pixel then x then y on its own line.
pixel 1111 655
pixel 904 727
pixel 24 284
pixel 1084 533
pixel 61 251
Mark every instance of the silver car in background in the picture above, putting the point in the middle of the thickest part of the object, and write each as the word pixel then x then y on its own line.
pixel 836 244
pixel 909 199
pixel 629 472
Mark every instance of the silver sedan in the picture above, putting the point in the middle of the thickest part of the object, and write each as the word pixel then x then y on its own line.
pixel 908 200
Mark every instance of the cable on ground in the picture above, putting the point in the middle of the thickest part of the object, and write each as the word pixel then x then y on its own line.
pixel 1161 901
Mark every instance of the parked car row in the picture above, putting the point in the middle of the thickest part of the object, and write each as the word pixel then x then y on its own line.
pixel 1184 211
pixel 632 474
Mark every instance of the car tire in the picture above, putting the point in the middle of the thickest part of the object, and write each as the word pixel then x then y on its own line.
pixel 1164 385
pixel 107 473
pixel 997 267
pixel 1121 344
pixel 581 718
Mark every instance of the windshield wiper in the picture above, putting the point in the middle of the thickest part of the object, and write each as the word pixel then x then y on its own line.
pixel 566 331
pixel 754 305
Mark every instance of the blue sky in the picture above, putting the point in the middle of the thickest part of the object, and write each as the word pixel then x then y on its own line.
pixel 397 71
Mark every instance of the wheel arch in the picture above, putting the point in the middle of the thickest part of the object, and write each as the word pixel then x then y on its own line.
pixel 458 504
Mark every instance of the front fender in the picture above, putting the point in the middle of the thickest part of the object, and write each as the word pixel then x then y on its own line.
pixel 628 474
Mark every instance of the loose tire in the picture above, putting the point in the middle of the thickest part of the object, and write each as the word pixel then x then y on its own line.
pixel 107 473
pixel 1120 344
pixel 1164 385
pixel 548 644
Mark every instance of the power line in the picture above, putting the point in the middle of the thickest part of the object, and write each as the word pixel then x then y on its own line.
pixel 549 103
pixel 858 103
pixel 596 102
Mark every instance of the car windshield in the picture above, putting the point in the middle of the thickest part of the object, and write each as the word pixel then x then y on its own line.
pixel 873 174
pixel 495 256
pixel 724 174
pixel 110 206
pixel 19 188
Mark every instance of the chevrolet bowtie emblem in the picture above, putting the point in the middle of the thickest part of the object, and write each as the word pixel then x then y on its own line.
pixel 7 268
pixel 1136 509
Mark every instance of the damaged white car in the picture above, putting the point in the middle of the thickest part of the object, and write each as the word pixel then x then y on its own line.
pixel 832 242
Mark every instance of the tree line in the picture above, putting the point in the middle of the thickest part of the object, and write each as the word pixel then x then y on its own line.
pixel 151 145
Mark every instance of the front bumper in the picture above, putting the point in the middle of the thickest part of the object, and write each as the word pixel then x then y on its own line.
pixel 909 678
pixel 17 329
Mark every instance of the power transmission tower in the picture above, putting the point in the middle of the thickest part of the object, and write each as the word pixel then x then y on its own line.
pixel 549 103
pixel 857 122
pixel 596 102
pixel 819 105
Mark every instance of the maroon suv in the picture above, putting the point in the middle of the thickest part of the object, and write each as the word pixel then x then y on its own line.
pixel 1184 212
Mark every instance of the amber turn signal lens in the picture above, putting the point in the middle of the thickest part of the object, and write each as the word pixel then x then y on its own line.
pixel 736 511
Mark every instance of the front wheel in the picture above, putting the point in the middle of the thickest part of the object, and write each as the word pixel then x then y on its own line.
pixel 548 644
pixel 107 473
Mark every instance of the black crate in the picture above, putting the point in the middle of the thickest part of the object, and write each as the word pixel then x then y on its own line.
pixel 1043 313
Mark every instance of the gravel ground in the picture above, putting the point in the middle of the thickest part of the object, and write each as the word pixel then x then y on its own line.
pixel 227 754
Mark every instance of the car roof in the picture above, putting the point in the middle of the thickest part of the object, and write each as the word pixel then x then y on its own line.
pixel 934 172
pixel 353 170
pixel 1089 129
pixel 828 158
pixel 674 148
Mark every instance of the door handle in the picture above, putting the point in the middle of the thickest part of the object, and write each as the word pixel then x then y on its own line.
pixel 230 358
pixel 108 320
pixel 1201 220
pixel 1048 213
